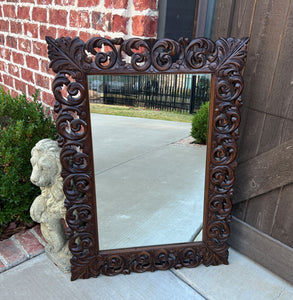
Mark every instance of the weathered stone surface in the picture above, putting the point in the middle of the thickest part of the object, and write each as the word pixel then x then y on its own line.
pixel 48 208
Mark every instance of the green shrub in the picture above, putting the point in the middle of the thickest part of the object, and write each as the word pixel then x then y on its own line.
pixel 22 125
pixel 199 129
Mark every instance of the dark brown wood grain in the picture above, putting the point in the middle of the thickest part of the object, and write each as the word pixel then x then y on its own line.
pixel 287 131
pixel 73 60
pixel 268 25
pixel 261 210
pixel 268 251
pixel 242 19
pixel 268 93
pixel 271 133
pixel 224 12
pixel 265 172
pixel 267 123
pixel 251 134
pixel 281 101
pixel 283 221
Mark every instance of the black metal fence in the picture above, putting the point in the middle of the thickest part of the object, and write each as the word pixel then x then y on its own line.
pixel 180 92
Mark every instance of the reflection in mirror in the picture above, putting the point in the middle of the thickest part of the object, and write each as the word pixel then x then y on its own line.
pixel 149 174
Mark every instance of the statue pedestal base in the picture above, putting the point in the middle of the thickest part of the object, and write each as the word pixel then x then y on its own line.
pixel 61 259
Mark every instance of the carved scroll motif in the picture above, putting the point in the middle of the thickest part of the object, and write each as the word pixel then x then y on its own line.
pixel 72 60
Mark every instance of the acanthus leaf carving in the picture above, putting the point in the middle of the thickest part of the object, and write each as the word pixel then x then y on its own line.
pixel 67 54
pixel 229 57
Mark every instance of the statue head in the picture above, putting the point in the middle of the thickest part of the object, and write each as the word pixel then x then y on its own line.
pixel 45 160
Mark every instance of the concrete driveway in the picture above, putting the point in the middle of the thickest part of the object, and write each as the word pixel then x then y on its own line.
pixel 149 184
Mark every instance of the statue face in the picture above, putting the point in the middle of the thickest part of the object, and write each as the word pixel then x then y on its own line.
pixel 45 169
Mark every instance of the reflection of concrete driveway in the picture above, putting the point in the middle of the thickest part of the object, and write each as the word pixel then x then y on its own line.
pixel 148 187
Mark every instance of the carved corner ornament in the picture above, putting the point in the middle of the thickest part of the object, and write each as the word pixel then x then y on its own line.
pixel 72 60
pixel 48 208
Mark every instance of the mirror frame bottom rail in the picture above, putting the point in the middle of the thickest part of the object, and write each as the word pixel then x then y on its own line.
pixel 152 258
pixel 73 60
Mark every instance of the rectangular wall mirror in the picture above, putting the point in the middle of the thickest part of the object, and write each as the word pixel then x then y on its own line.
pixel 171 189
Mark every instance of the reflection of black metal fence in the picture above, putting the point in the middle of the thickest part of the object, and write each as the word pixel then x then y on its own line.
pixel 181 92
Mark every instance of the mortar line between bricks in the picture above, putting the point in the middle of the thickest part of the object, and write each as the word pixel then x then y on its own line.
pixel 4 261
pixel 20 247
pixel 37 237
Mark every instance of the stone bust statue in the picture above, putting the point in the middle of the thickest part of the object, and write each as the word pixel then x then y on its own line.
pixel 48 208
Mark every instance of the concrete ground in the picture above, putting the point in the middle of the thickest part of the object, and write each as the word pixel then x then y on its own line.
pixel 150 185
pixel 151 142
pixel 39 279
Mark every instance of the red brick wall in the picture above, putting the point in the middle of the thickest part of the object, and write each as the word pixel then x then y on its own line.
pixel 24 65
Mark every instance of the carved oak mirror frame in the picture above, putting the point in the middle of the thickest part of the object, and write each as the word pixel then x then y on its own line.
pixel 73 60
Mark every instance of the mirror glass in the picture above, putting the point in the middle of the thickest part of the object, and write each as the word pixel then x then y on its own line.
pixel 149 173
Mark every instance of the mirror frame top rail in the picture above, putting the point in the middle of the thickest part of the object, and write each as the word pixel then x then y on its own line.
pixel 72 60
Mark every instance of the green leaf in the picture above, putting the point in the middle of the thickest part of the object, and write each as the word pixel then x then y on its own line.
pixel 22 125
